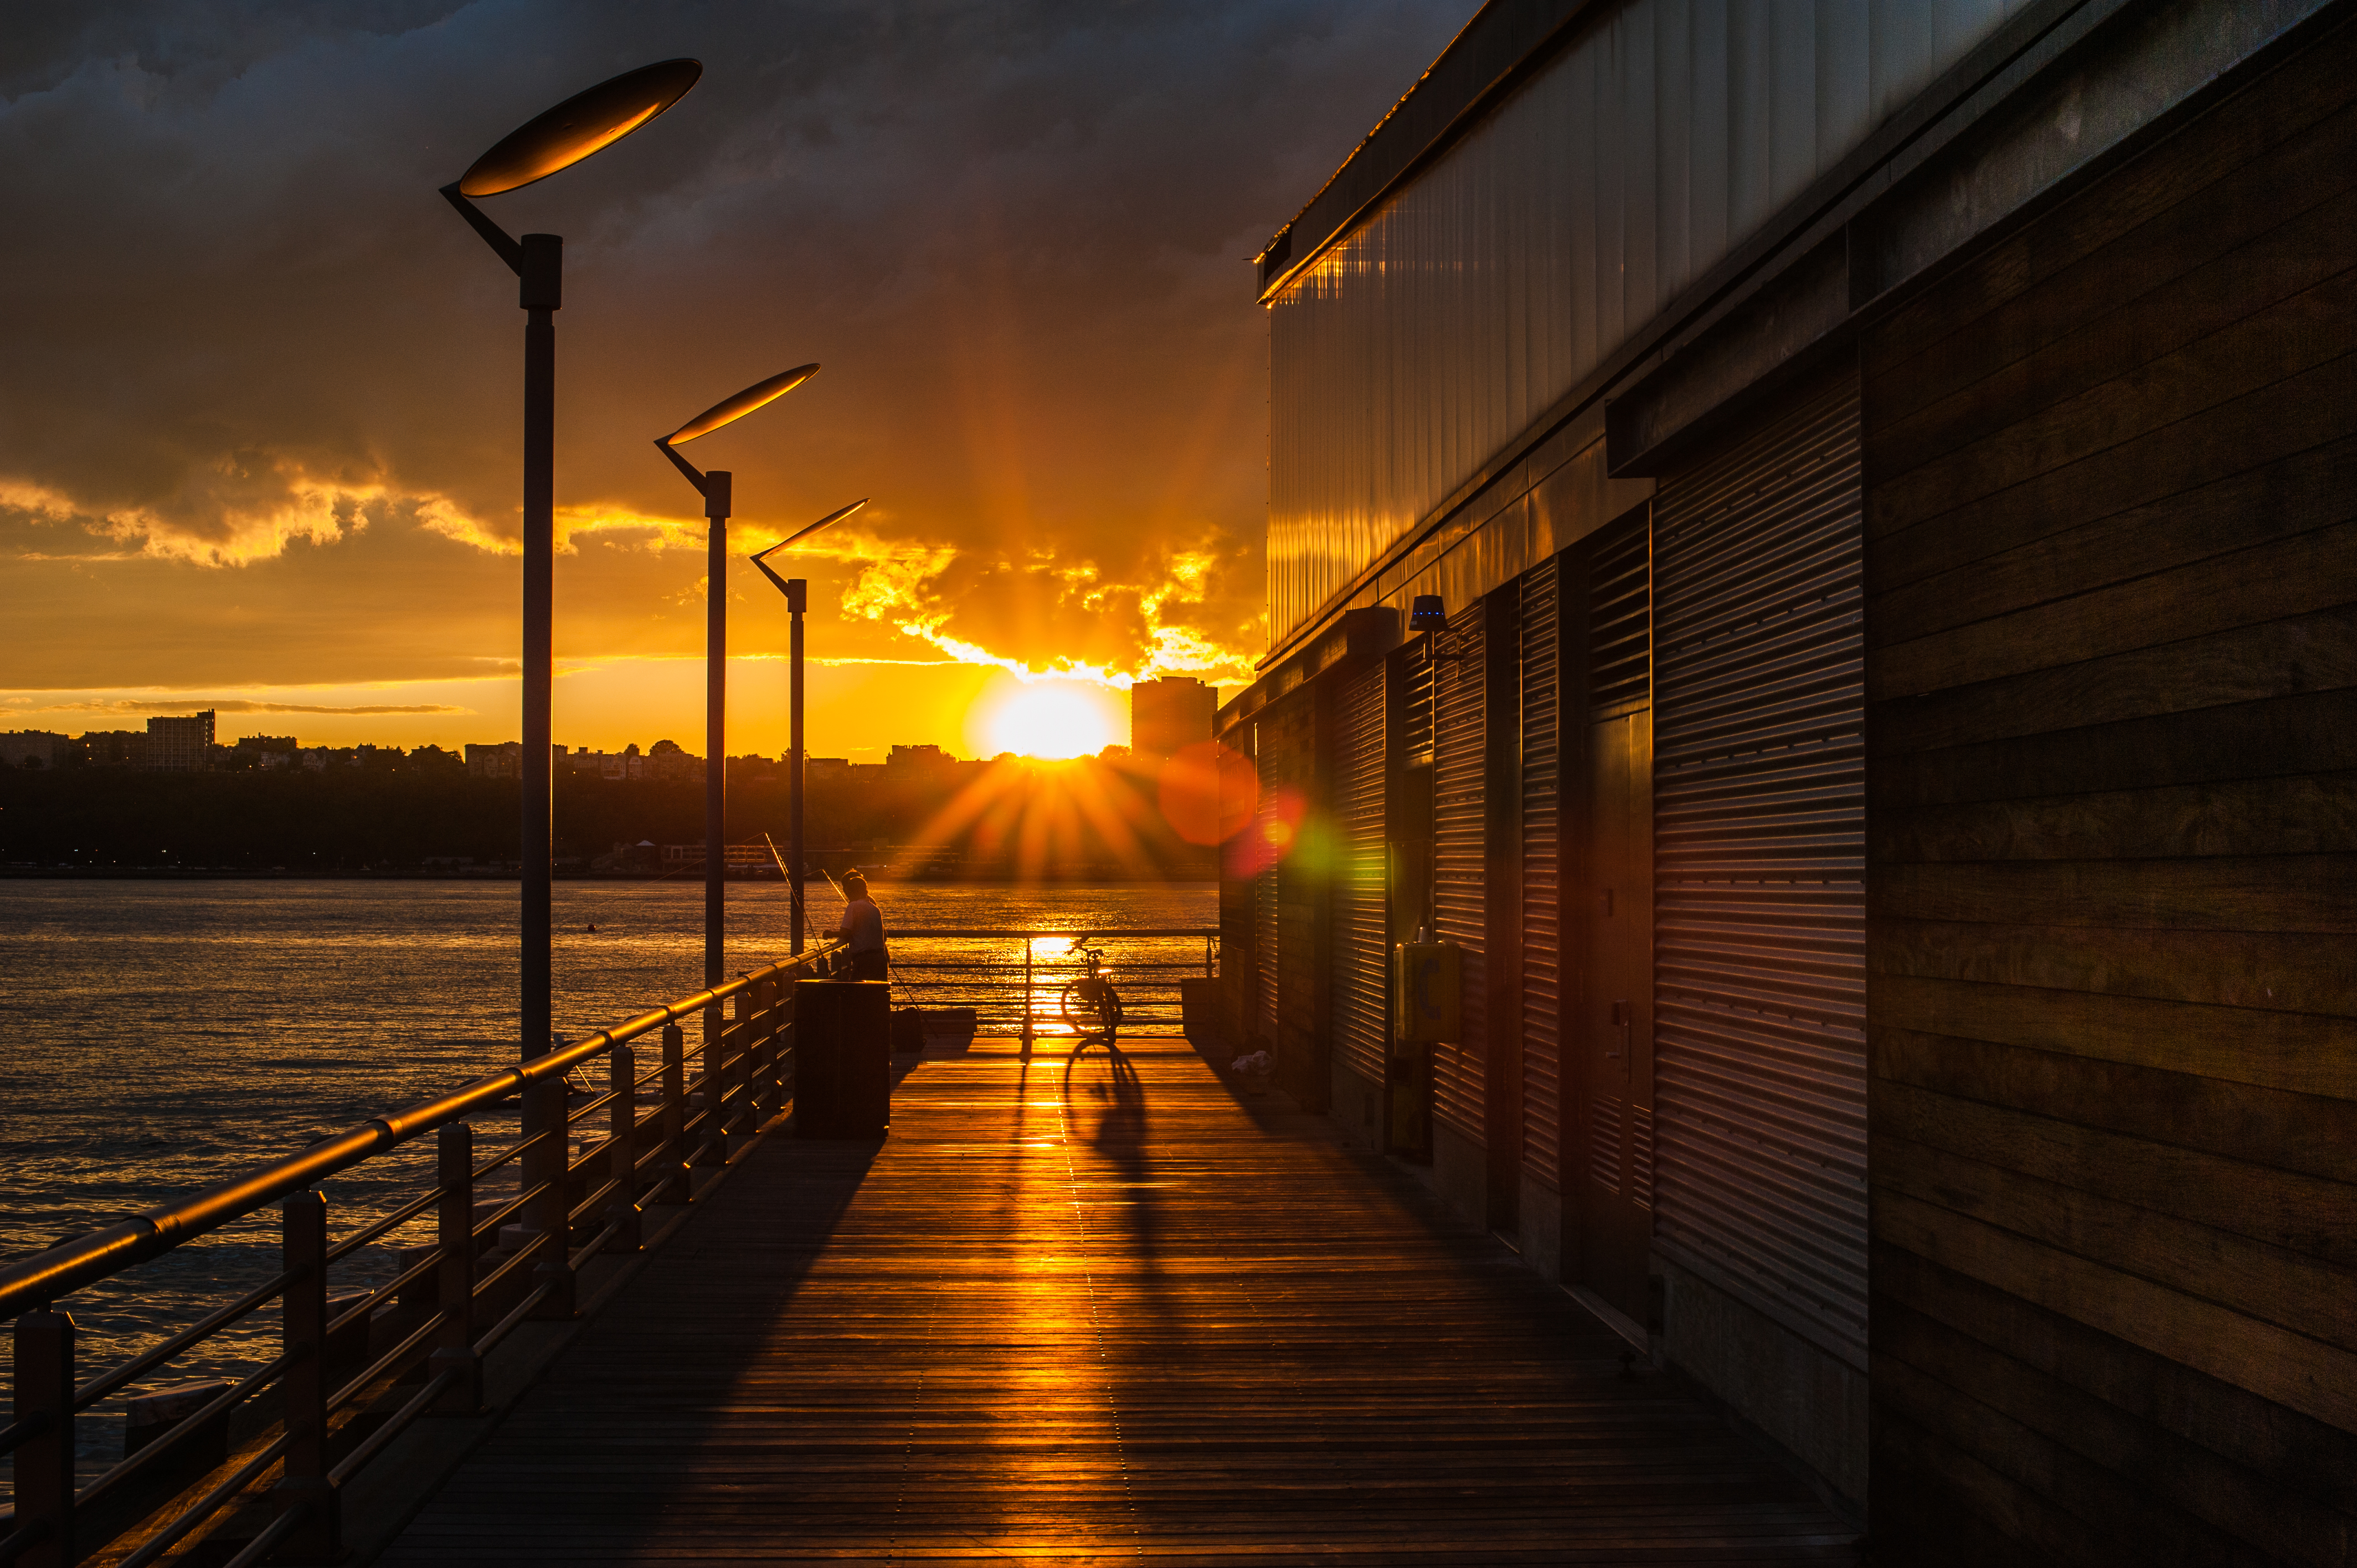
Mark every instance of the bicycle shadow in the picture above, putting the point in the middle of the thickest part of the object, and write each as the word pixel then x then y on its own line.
pixel 1107 1110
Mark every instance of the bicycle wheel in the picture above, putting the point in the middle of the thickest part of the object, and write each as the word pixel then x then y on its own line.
pixel 1085 1006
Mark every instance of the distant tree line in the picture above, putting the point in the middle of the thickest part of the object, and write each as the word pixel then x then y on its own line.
pixel 399 816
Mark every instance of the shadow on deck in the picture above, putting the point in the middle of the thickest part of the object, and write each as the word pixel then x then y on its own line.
pixel 1089 1312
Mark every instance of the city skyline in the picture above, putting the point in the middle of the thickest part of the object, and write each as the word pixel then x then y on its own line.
pixel 1176 711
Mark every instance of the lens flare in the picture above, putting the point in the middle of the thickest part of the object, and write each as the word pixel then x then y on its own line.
pixel 1208 793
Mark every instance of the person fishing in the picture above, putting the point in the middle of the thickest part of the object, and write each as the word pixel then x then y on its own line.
pixel 862 930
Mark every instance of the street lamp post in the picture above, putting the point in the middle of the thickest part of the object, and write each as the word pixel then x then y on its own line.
pixel 715 487
pixel 558 139
pixel 797 592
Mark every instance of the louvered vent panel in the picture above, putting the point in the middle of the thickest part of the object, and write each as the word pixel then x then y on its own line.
pixel 1415 705
pixel 1361 925
pixel 1604 1142
pixel 1542 876
pixel 1620 641
pixel 1460 871
pixel 1760 977
pixel 1641 1156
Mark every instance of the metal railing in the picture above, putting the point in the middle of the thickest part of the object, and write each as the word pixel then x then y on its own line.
pixel 351 1376
pixel 1014 981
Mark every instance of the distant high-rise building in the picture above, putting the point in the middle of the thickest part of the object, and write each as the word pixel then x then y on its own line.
pixel 180 745
pixel 1166 715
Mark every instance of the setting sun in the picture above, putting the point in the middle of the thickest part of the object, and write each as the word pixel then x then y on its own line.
pixel 1048 718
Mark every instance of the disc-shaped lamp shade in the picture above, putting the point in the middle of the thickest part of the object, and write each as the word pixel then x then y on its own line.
pixel 579 126
pixel 730 410
pixel 836 515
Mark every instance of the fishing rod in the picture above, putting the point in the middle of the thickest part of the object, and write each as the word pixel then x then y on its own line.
pixel 907 994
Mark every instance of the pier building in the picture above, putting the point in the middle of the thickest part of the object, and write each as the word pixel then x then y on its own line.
pixel 1809 551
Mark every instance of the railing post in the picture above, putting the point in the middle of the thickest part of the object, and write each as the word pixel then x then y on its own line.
pixel 304 1325
pixel 765 1053
pixel 1026 997
pixel 454 1338
pixel 674 1188
pixel 781 996
pixel 742 1122
pixel 45 1462
pixel 712 1127
pixel 622 1152
pixel 550 1214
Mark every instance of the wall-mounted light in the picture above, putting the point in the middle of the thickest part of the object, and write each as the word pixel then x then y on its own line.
pixel 1429 615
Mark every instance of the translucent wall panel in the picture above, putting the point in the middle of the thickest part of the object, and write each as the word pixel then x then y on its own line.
pixel 1490 285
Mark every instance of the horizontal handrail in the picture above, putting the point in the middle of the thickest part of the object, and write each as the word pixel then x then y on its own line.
pixel 576 1203
pixel 65 1268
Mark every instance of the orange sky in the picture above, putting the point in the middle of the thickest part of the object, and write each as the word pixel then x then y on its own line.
pixel 259 419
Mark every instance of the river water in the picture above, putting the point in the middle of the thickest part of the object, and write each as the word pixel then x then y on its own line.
pixel 162 1036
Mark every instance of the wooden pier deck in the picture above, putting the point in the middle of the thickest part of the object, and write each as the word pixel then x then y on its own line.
pixel 1100 1313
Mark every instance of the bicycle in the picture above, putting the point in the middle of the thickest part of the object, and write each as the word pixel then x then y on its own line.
pixel 1090 1004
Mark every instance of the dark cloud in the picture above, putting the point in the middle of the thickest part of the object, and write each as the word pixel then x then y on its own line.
pixel 240 317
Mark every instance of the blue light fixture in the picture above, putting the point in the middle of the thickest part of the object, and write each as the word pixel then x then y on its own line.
pixel 1425 615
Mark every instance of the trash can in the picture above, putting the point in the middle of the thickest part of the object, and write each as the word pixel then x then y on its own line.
pixel 843 1058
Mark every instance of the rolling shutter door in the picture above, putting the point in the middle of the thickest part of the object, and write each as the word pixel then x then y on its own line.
pixel 1459 875
pixel 1361 927
pixel 1265 922
pixel 1620 684
pixel 1760 989
pixel 1542 882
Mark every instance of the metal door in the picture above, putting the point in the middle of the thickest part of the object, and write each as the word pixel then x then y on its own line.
pixel 1362 926
pixel 1760 841
pixel 1460 761
pixel 1610 1042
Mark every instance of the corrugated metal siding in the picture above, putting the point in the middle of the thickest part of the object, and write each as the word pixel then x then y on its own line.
pixel 1542 875
pixel 1487 287
pixel 1460 874
pixel 1759 817
pixel 1362 930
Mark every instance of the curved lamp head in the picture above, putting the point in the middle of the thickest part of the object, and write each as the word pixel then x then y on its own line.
pixel 836 515
pixel 730 410
pixel 580 125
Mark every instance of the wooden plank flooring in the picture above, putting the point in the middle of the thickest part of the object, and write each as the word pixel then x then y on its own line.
pixel 1097 1312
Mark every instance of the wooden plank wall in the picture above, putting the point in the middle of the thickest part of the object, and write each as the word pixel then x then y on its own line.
pixel 2111 470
